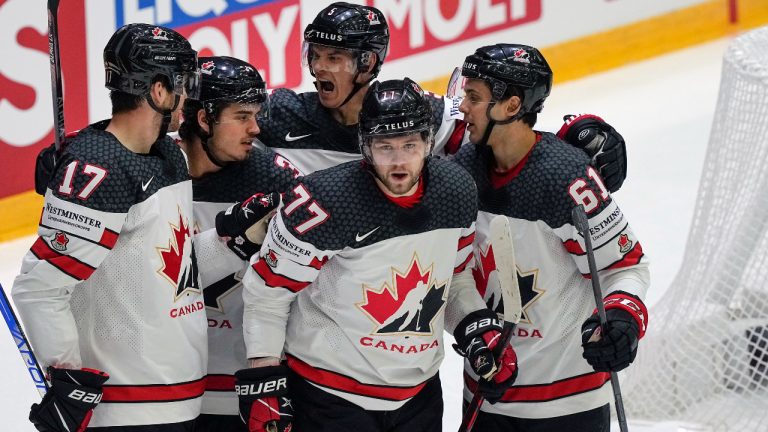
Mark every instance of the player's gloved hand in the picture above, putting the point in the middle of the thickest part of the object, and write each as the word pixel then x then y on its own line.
pixel 69 403
pixel 45 164
pixel 601 142
pixel 264 402
pixel 616 347
pixel 477 338
pixel 246 223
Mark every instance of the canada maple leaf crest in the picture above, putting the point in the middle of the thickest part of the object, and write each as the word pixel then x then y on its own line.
pixel 172 258
pixel 158 33
pixel 522 56
pixel 407 304
pixel 207 68
pixel 485 265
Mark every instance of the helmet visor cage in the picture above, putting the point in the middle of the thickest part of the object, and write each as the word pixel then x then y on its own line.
pixel 187 83
pixel 321 57
pixel 457 88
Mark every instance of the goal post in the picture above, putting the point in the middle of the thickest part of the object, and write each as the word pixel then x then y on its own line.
pixel 704 359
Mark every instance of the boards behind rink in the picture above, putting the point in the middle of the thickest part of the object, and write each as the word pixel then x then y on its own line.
pixel 704 360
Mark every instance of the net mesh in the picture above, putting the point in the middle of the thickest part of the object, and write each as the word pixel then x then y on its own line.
pixel 705 357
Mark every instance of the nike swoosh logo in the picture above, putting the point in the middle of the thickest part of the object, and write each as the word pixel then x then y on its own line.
pixel 288 137
pixel 144 186
pixel 359 238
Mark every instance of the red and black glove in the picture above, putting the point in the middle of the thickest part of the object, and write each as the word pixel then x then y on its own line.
pixel 477 339
pixel 245 223
pixel 264 402
pixel 69 403
pixel 601 143
pixel 616 347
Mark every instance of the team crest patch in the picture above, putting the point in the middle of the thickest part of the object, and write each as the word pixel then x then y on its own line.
pixel 59 241
pixel 373 18
pixel 625 244
pixel 271 258
pixel 158 33
pixel 408 304
pixel 207 68
pixel 522 56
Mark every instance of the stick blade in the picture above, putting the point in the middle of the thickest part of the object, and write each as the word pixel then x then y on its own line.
pixel 504 255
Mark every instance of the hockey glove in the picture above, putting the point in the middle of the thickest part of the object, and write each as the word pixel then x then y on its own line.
pixel 477 339
pixel 616 347
pixel 601 143
pixel 246 223
pixel 264 402
pixel 69 403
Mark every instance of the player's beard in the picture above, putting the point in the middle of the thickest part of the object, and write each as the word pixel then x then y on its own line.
pixel 173 126
pixel 395 185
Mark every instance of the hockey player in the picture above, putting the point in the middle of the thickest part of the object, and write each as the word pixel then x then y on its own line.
pixel 344 48
pixel 109 291
pixel 535 179
pixel 217 136
pixel 332 289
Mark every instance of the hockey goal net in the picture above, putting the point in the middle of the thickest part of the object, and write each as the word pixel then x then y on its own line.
pixel 705 358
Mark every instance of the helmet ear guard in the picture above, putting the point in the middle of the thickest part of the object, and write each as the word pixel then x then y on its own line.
pixel 505 67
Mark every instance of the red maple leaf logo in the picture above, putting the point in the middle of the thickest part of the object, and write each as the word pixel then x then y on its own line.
pixel 172 256
pixel 381 304
pixel 485 265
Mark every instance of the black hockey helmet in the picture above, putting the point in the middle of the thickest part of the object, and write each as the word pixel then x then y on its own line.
pixel 226 80
pixel 137 53
pixel 392 108
pixel 509 65
pixel 360 29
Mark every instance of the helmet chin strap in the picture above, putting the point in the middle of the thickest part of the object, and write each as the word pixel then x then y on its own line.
pixel 204 137
pixel 165 113
pixel 492 123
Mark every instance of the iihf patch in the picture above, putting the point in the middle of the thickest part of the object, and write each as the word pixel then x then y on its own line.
pixel 271 258
pixel 625 244
pixel 59 241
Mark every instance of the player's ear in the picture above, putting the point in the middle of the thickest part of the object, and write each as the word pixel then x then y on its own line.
pixel 202 120
pixel 158 92
pixel 512 106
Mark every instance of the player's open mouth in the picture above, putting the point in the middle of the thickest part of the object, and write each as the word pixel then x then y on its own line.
pixel 325 86
pixel 399 176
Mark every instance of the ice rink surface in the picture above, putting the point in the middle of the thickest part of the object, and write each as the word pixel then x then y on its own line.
pixel 663 107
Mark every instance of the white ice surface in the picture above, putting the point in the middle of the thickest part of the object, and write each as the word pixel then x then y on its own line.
pixel 663 107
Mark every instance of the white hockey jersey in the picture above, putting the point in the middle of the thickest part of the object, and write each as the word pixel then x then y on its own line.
pixel 112 284
pixel 264 171
pixel 552 271
pixel 355 290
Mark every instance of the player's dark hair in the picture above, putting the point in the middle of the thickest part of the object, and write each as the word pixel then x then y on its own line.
pixel 190 127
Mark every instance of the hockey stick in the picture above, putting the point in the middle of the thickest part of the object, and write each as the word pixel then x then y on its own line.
pixel 57 91
pixel 504 256
pixel 582 226
pixel 12 322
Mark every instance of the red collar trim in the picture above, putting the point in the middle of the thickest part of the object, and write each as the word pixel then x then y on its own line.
pixel 499 179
